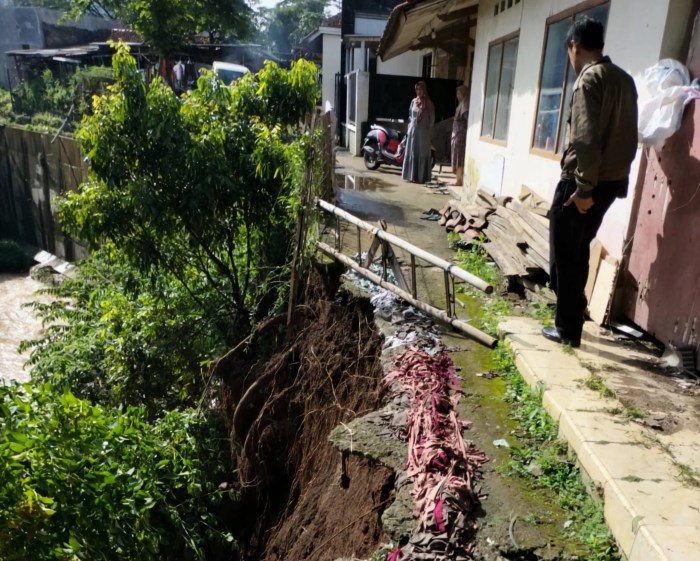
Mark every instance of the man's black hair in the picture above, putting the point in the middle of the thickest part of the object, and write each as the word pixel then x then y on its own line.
pixel 589 33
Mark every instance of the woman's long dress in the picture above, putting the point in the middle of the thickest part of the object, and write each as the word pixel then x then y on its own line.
pixel 458 142
pixel 416 165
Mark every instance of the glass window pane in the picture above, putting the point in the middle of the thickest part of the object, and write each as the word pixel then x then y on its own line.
pixel 570 79
pixel 601 14
pixel 551 85
pixel 505 90
pixel 598 12
pixel 492 73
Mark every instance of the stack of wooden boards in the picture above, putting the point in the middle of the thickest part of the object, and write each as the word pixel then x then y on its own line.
pixel 516 231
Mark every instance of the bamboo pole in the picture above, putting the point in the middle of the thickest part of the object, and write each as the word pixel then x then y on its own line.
pixel 464 327
pixel 454 270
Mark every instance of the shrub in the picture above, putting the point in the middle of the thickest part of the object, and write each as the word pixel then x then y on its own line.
pixel 117 336
pixel 80 481
pixel 12 258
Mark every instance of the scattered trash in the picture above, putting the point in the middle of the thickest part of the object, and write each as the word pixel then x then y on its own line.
pixel 441 464
pixel 534 469
pixel 489 374
pixel 568 524
pixel 501 443
pixel 681 357
pixel 627 329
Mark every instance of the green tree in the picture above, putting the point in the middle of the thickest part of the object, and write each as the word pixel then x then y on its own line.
pixel 205 188
pixel 282 27
pixel 117 336
pixel 166 24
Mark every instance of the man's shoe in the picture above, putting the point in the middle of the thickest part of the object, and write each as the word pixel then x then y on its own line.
pixel 552 333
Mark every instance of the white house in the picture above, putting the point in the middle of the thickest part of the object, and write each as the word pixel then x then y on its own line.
pixel 521 86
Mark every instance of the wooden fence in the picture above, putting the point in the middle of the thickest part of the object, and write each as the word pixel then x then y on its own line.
pixel 34 169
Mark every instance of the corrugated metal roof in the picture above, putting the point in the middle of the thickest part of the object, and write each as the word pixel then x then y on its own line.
pixel 50 53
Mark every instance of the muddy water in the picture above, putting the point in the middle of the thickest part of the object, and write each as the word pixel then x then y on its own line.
pixel 16 324
pixel 515 515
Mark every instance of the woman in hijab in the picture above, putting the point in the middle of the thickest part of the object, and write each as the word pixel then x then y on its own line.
pixel 459 135
pixel 417 163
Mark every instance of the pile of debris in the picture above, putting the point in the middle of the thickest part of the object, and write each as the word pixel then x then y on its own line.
pixel 515 231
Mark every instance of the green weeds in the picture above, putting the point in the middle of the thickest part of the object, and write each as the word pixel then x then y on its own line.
pixel 492 312
pixel 477 262
pixel 543 313
pixel 596 383
pixel 556 464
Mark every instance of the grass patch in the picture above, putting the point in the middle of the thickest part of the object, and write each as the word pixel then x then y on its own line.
pixel 544 313
pixel 596 383
pixel 477 262
pixel 556 462
pixel 687 474
pixel 492 312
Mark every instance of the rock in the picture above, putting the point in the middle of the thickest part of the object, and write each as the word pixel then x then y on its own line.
pixel 534 469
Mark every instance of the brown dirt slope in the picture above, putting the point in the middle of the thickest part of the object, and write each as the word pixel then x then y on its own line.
pixel 281 411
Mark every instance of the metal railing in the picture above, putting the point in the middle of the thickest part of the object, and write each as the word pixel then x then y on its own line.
pixel 383 239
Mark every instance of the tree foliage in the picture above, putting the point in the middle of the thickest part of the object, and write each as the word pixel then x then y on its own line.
pixel 117 336
pixel 191 206
pixel 283 27
pixel 204 188
pixel 80 482
pixel 166 24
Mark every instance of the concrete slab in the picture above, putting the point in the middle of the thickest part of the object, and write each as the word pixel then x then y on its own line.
pixel 652 513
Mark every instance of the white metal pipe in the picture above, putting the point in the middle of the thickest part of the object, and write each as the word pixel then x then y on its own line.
pixel 454 270
pixel 459 325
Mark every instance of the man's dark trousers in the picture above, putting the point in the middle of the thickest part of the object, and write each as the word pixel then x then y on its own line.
pixel 570 237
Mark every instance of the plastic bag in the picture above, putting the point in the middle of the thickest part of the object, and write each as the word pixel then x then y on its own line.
pixel 668 83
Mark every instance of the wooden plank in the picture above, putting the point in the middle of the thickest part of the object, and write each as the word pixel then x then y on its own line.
pixel 541 262
pixel 533 201
pixel 486 197
pixel 593 263
pixel 509 251
pixel 534 221
pixel 602 290
pixel 504 261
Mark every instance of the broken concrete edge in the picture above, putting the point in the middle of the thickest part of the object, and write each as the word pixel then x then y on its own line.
pixel 620 516
pixel 46 260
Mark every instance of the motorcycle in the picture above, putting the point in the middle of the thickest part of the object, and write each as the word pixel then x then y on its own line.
pixel 385 146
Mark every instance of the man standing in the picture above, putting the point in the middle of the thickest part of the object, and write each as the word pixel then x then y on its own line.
pixel 601 144
pixel 179 72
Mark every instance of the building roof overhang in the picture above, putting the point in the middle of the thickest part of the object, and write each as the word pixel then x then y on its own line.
pixel 424 24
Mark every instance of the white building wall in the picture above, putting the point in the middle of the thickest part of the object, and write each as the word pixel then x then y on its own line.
pixel 353 136
pixel 634 40
pixel 407 64
pixel 332 46
pixel 369 25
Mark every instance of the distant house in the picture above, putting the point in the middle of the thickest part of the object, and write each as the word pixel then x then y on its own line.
pixel 370 88
pixel 521 81
pixel 323 46
pixel 29 28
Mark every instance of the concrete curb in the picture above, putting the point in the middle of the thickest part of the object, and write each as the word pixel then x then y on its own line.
pixel 651 514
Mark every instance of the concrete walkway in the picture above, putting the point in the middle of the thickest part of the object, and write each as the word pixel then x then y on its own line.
pixel 640 448
pixel 647 475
